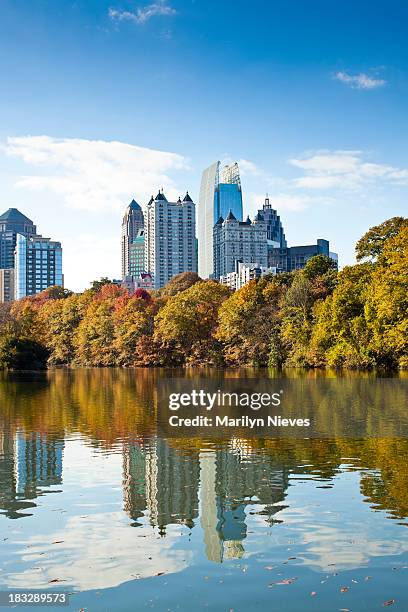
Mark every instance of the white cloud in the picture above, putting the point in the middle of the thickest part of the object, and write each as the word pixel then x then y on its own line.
pixel 280 201
pixel 359 81
pixel 95 175
pixel 343 169
pixel 248 167
pixel 142 15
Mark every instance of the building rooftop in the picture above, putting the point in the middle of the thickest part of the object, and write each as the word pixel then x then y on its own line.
pixel 161 196
pixel 230 216
pixel 134 205
pixel 12 214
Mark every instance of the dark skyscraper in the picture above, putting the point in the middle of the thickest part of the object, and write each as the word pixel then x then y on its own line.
pixel 13 222
pixel 133 221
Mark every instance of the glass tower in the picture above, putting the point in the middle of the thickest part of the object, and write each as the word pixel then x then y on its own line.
pixel 38 265
pixel 132 222
pixel 220 193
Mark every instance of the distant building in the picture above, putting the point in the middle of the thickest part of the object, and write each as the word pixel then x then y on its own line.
pixel 220 193
pixel 38 265
pixel 170 238
pixel 12 222
pixel 239 241
pixel 132 223
pixel 137 255
pixel 275 232
pixel 144 280
pixel 244 273
pixel 6 285
pixel 296 257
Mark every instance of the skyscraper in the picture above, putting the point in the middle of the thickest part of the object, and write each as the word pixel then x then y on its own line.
pixel 133 221
pixel 12 222
pixel 38 265
pixel 170 238
pixel 220 193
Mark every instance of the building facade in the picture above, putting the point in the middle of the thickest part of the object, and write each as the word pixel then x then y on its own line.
pixel 296 257
pixel 220 193
pixel 170 238
pixel 6 284
pixel 243 274
pixel 38 265
pixel 132 223
pixel 239 241
pixel 137 255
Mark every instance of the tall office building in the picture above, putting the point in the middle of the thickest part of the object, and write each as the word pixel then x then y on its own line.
pixel 170 238
pixel 220 193
pixel 38 265
pixel 239 241
pixel 132 223
pixel 12 222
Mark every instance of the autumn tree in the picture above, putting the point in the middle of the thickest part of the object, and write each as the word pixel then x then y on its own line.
pixel 186 324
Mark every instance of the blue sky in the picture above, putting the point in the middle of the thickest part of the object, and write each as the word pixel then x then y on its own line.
pixel 102 101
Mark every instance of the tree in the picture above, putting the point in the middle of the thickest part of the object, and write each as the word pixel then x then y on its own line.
pixel 386 308
pixel 371 245
pixel 179 282
pixel 19 353
pixel 97 285
pixel 318 265
pixel 188 321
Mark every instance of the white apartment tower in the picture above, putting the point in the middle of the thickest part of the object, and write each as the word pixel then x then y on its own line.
pixel 170 238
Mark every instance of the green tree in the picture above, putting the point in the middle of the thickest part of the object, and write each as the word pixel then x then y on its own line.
pixel 372 243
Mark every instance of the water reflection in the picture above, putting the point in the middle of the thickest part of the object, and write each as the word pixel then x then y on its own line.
pixel 127 494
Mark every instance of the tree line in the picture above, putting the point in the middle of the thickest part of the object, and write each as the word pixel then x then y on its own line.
pixel 316 317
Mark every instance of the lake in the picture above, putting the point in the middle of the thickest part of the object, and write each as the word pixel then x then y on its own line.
pixel 101 499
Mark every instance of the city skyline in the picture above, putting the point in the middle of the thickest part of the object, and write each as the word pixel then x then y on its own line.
pixel 313 109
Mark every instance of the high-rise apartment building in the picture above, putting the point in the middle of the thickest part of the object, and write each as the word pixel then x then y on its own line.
pixel 239 241
pixel 38 265
pixel 170 238
pixel 132 223
pixel 220 193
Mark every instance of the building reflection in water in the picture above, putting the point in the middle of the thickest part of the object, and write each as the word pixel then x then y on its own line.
pixel 165 485
pixel 29 464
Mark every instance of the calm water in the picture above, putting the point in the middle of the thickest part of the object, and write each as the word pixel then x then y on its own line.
pixel 125 518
